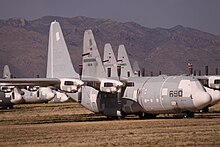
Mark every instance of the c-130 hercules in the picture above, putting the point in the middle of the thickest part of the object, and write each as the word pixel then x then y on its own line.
pixel 210 83
pixel 113 97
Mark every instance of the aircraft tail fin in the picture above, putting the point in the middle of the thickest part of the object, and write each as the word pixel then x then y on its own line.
pixel 59 64
pixel 136 69
pixel 123 61
pixel 92 63
pixel 6 72
pixel 109 61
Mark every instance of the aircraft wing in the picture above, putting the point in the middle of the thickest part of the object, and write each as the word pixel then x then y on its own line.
pixel 64 84
pixel 30 82
pixel 103 84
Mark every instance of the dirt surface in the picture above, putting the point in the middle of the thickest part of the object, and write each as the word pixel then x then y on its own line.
pixel 69 124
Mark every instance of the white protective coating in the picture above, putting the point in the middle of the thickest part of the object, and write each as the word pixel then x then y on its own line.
pixel 200 98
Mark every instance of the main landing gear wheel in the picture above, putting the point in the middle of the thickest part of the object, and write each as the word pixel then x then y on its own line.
pixel 189 115
pixel 147 116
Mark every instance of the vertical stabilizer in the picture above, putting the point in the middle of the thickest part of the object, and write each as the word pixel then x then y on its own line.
pixel 59 64
pixel 123 61
pixel 6 72
pixel 92 63
pixel 109 61
pixel 136 69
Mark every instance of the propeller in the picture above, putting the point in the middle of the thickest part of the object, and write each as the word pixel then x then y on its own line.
pixel 119 95
pixel 80 89
pixel 119 72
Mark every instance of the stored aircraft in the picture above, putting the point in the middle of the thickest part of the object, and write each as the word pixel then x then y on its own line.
pixel 210 83
pixel 144 96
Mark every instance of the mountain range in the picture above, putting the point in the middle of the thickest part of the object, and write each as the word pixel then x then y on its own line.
pixel 23 45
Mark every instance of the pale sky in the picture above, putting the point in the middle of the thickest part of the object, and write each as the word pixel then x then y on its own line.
pixel 199 14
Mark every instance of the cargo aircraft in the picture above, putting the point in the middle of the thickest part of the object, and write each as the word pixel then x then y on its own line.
pixel 210 83
pixel 212 86
pixel 118 97
pixel 145 96
pixel 11 94
pixel 36 94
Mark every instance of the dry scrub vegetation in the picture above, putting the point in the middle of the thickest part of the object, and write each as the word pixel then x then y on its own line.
pixel 69 124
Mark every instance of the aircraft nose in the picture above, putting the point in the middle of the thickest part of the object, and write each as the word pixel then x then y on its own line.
pixel 201 100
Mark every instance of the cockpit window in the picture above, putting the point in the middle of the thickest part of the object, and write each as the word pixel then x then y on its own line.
pixel 204 82
pixel 199 85
pixel 217 81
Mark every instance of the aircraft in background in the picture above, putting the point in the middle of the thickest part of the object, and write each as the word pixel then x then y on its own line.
pixel 9 87
pixel 123 61
pixel 36 94
pixel 212 86
pixel 144 96
pixel 109 61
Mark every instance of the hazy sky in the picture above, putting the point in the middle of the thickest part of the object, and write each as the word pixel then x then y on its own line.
pixel 200 14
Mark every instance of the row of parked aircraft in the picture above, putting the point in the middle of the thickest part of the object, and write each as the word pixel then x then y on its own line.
pixel 109 86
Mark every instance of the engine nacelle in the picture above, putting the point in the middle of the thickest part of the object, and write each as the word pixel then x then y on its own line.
pixel 110 86
pixel 214 82
pixel 32 88
pixel 70 85
pixel 7 89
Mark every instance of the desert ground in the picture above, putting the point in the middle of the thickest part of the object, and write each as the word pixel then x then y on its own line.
pixel 69 124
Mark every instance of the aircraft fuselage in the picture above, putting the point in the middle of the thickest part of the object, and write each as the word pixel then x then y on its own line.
pixel 153 95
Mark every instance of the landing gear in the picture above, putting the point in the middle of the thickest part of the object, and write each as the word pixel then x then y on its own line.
pixel 10 106
pixel 205 110
pixel 116 117
pixel 147 116
pixel 189 115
